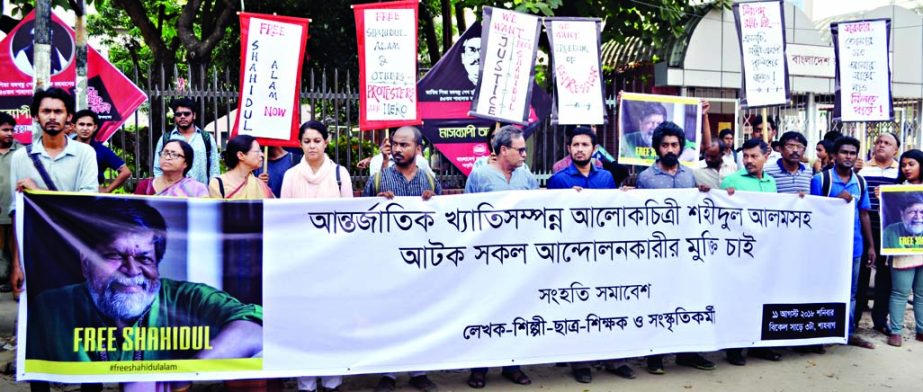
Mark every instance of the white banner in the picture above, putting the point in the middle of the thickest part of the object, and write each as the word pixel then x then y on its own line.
pixel 509 42
pixel 809 60
pixel 269 84
pixel 761 31
pixel 369 285
pixel 389 55
pixel 864 86
pixel 578 77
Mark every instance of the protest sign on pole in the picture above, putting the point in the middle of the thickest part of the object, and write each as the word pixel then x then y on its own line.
pixel 863 73
pixel 575 57
pixel 111 95
pixel 598 274
pixel 387 37
pixel 507 66
pixel 761 33
pixel 271 48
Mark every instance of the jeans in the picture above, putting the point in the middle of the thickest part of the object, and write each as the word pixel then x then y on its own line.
pixel 506 369
pixel 902 281
pixel 310 383
pixel 856 266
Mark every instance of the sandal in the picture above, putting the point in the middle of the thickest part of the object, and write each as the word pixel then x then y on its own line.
pixel 477 380
pixel 855 340
pixel 517 377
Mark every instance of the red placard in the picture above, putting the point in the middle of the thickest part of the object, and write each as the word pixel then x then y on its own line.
pixel 109 93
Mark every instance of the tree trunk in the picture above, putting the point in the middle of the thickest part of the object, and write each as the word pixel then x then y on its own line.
pixel 460 18
pixel 446 25
pixel 429 34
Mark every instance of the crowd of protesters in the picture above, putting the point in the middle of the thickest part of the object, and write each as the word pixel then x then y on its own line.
pixel 186 165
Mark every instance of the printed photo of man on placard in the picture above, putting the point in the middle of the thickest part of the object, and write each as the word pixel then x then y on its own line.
pixel 901 220
pixel 118 301
pixel 639 116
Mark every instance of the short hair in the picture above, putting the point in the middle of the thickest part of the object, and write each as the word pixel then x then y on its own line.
pixel 504 137
pixel 846 141
pixel 668 128
pixel 793 135
pixel 759 121
pixel 896 139
pixel 86 113
pixel 652 108
pixel 7 119
pixel 417 135
pixel 914 154
pixel 184 102
pixel 581 131
pixel 832 135
pixel 239 143
pixel 724 132
pixel 188 153
pixel 53 93
pixel 315 125
pixel 764 148
pixel 107 218
pixel 828 146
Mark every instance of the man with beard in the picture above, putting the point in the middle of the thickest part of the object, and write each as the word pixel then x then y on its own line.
pixel 8 145
pixel 639 143
pixel 667 173
pixel 581 173
pixel 405 178
pixel 205 165
pixel 842 182
pixel 124 310
pixel 53 162
pixel 905 234
pixel 86 122
pixel 880 170
pixel 791 175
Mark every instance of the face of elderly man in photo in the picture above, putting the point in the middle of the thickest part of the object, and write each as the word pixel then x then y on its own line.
pixel 912 217
pixel 123 276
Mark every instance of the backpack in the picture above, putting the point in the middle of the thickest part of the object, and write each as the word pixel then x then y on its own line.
pixel 827 185
pixel 208 147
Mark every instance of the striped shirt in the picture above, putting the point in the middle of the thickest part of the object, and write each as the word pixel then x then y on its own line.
pixel 391 180
pixel 788 182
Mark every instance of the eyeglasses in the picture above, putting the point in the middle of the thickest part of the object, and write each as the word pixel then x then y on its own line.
pixel 170 155
pixel 182 114
pixel 521 150
pixel 794 147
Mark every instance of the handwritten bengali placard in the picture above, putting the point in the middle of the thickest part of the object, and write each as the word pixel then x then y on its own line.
pixel 761 33
pixel 575 51
pixel 863 76
pixel 508 43
pixel 387 34
pixel 271 48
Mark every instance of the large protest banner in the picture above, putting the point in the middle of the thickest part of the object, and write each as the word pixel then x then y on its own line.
pixel 575 55
pixel 507 66
pixel 111 95
pixel 387 38
pixel 272 48
pixel 454 282
pixel 640 114
pixel 863 70
pixel 761 33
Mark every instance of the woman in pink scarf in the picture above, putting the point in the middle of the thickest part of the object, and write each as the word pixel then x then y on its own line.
pixel 316 176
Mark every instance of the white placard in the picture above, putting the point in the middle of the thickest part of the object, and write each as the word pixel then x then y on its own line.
pixel 762 41
pixel 269 84
pixel 865 79
pixel 575 50
pixel 390 64
pixel 507 61
pixel 809 60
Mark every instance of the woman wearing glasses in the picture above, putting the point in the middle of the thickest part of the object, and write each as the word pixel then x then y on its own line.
pixel 242 156
pixel 176 159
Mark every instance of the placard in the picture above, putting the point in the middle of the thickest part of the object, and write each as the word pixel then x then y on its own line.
pixel 863 73
pixel 575 56
pixel 901 211
pixel 640 114
pixel 761 33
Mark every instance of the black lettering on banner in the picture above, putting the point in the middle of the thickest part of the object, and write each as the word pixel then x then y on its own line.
pixel 681 316
pixel 803 321
pixel 371 220
pixel 738 246
pixel 500 252
pixel 485 215
pixel 778 218
pixel 433 255
pixel 707 212
pixel 702 245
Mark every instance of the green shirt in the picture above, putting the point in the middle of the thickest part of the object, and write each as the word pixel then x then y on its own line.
pixel 54 318
pixel 743 181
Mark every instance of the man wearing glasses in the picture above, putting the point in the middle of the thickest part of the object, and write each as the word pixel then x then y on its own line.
pixel 507 172
pixel 791 175
pixel 205 164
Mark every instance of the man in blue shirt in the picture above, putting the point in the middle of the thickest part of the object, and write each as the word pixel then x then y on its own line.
pixel 86 124
pixel 581 173
pixel 847 185
pixel 506 173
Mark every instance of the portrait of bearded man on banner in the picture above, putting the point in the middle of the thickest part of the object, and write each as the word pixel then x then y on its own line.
pixel 471 58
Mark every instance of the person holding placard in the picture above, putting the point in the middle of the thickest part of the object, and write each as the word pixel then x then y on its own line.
pixel 906 271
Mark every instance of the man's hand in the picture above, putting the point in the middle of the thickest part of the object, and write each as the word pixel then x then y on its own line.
pixel 845 196
pixel 626 188
pixel 364 164
pixel 705 106
pixel 386 194
pixel 801 194
pixel 859 163
pixel 16 279
pixel 872 257
pixel 878 192
pixel 427 194
pixel 703 188
pixel 578 188
pixel 731 191
pixel 25 184
pixel 264 177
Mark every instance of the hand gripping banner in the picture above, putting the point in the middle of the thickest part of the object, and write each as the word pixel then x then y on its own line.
pixel 271 48
pixel 387 37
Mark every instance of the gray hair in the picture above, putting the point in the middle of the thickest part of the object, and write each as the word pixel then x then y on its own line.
pixel 417 135
pixel 504 138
